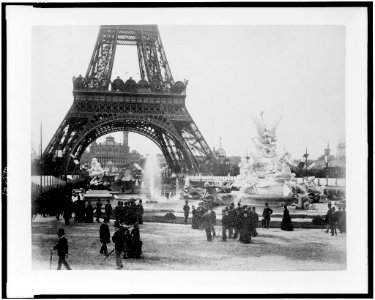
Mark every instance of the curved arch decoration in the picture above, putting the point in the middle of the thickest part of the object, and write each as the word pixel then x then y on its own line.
pixel 165 137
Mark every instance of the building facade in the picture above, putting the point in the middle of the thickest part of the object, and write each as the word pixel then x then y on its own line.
pixel 111 153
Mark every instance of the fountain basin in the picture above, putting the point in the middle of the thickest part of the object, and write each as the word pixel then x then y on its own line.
pixel 260 200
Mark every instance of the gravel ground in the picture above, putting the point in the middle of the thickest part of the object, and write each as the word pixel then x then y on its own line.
pixel 178 247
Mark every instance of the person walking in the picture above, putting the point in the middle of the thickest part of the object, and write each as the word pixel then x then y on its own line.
pixel 118 239
pixel 62 249
pixel 105 236
pixel 286 223
pixel 206 222
pixel 267 212
pixel 98 210
pixel 108 210
pixel 186 209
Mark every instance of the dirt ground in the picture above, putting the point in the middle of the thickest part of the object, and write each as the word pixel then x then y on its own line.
pixel 178 247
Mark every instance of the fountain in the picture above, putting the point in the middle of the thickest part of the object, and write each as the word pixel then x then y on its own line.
pixel 152 178
pixel 96 169
pixel 265 175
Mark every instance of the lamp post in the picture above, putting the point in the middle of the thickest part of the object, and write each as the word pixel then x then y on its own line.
pixel 306 155
pixel 326 157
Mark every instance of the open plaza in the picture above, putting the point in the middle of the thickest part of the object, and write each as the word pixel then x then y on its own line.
pixel 168 246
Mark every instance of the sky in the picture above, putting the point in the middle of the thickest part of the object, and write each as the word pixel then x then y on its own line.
pixel 234 72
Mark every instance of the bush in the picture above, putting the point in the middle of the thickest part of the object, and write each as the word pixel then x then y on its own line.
pixel 170 216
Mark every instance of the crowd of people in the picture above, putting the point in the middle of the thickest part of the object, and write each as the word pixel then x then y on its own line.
pixel 125 212
pixel 241 221
pixel 129 212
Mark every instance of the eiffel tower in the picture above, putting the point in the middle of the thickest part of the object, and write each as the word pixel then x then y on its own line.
pixel 153 107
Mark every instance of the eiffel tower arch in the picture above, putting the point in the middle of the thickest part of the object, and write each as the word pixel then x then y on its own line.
pixel 153 107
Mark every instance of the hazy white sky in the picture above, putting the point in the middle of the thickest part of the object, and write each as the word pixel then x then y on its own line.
pixel 233 72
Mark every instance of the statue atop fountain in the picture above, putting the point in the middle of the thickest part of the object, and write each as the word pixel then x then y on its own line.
pixel 264 172
pixel 96 170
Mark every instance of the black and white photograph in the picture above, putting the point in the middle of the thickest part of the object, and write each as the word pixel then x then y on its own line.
pixel 188 150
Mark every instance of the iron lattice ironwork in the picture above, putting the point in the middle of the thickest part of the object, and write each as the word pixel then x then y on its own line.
pixel 153 107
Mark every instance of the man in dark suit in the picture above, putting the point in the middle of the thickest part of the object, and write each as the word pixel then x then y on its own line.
pixel 62 249
pixel 206 222
pixel 328 216
pixel 98 210
pixel 108 210
pixel 267 212
pixel 105 236
pixel 118 238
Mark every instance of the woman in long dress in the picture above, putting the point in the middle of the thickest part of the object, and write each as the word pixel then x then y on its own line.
pixel 286 223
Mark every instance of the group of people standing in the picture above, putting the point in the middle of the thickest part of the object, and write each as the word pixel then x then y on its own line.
pixel 241 221
pixel 83 213
pixel 129 212
pixel 335 219
pixel 237 221
pixel 125 212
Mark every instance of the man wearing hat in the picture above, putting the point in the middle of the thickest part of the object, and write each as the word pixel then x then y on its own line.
pixel 206 221
pixel 62 249
pixel 105 236
pixel 118 238
pixel 267 212
pixel 108 210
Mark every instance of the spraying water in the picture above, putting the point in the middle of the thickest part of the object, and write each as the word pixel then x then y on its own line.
pixel 152 177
